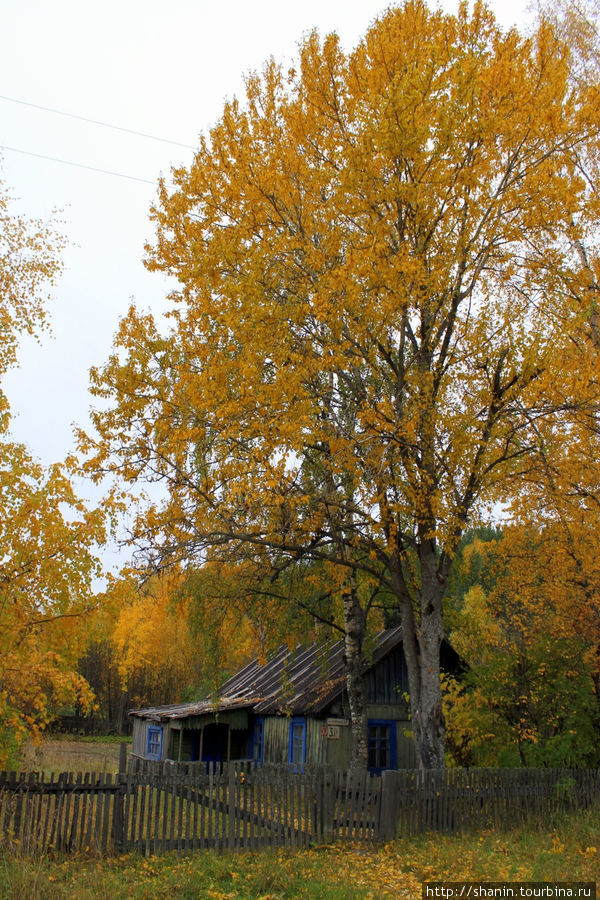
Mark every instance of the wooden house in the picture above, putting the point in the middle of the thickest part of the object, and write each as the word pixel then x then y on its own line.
pixel 291 709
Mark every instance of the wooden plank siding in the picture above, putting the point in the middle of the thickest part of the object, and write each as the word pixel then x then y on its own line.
pixel 387 683
pixel 320 750
pixel 138 738
pixel 338 751
pixel 277 740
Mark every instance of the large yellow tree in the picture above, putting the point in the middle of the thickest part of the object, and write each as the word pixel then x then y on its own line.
pixel 375 254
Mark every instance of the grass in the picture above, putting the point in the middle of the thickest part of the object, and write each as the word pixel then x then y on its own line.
pixel 86 738
pixel 72 755
pixel 567 849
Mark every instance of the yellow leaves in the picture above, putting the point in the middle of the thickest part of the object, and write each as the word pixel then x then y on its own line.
pixel 379 313
pixel 47 567
pixel 152 642
pixel 531 641
pixel 176 636
pixel 557 845
pixel 29 263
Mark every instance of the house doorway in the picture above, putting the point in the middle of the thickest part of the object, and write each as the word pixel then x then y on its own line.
pixel 215 743
pixel 194 745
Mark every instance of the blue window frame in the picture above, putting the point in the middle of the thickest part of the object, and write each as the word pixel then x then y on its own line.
pixel 381 745
pixel 258 739
pixel 154 742
pixel 297 745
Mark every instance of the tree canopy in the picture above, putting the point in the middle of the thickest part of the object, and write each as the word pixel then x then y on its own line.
pixel 382 302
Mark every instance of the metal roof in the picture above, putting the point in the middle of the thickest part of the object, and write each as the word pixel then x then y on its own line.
pixel 296 681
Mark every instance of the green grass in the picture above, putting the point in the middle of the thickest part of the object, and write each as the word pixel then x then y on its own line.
pixel 88 738
pixel 71 755
pixel 567 849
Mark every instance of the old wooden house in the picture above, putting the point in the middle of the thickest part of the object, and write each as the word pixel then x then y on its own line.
pixel 291 709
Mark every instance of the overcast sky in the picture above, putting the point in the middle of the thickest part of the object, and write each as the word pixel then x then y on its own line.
pixel 156 67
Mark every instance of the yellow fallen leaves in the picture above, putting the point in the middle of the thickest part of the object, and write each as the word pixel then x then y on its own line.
pixel 568 851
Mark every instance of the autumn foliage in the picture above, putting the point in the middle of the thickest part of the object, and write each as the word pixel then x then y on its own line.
pixel 48 537
pixel 386 331
pixel 531 639
pixel 169 638
pixel 384 261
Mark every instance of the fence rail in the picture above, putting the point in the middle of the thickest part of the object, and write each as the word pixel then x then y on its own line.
pixel 156 807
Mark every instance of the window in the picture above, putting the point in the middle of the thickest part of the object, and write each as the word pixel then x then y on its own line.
pixel 297 748
pixel 153 742
pixel 258 735
pixel 381 745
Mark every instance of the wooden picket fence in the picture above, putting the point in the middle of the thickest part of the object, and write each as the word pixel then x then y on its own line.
pixel 153 808
pixel 160 807
pixel 453 800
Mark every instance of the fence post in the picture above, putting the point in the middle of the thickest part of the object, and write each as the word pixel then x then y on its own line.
pixel 388 810
pixel 118 812
pixel 327 799
pixel 230 808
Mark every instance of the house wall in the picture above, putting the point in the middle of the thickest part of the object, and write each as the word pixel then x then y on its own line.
pixel 386 691
pixel 334 747
pixel 339 748
pixel 333 750
pixel 166 741
pixel 138 743
pixel 387 682
pixel 407 757
pixel 140 737
pixel 189 729
pixel 277 740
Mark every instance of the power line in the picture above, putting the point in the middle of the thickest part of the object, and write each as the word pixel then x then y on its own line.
pixel 59 112
pixel 66 162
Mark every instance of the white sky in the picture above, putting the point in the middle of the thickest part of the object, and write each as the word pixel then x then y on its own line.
pixel 158 67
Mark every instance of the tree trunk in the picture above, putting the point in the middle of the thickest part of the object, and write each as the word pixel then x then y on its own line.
pixel 354 628
pixel 427 713
pixel 421 641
